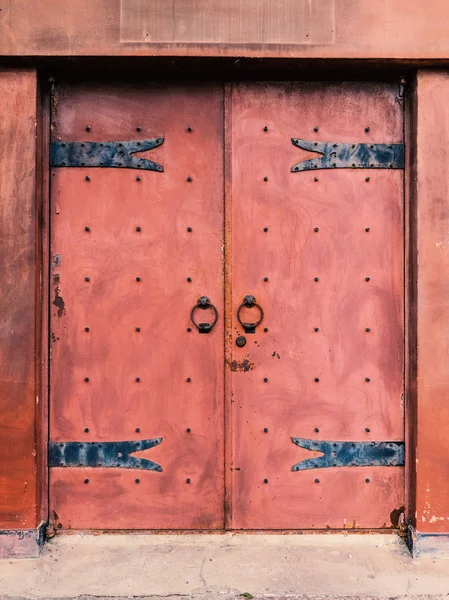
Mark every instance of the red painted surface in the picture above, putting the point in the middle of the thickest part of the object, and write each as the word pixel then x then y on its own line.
pixel 432 257
pixel 19 393
pixel 291 354
pixel 112 304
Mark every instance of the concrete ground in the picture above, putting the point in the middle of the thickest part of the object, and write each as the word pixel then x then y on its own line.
pixel 227 566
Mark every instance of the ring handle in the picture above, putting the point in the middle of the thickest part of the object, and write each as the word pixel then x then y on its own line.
pixel 250 302
pixel 203 303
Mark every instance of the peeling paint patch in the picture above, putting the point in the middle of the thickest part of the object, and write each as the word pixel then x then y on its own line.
pixel 59 303
pixel 242 366
pixel 56 261
pixel 395 516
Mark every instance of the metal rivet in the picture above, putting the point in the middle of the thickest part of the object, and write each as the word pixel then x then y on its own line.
pixel 138 379
pixel 367 129
pixel 86 379
pixel 265 278
pixel 367 178
pixel 189 129
pixel 265 229
pixel 367 379
pixel 189 179
pixel 87 178
pixel 138 228
pixel 87 128
pixel 188 430
pixel 137 278
pixel 367 278
pixel 265 128
pixel 367 329
pixel 187 480
pixel 316 229
pixel 265 379
pixel 189 279
pixel 138 178
pixel 317 278
pixel 87 228
pixel 317 481
pixel 265 480
pixel 367 480
pixel 189 229
pixel 138 128
pixel 315 129
pixel 265 430
pixel 265 329
pixel 137 480
pixel 86 329
pixel 316 329
pixel 265 178
pixel 367 429
pixel 86 430
pixel 315 179
pixel 87 279
pixel 367 229
pixel 137 329
pixel 317 430
pixel 189 329
pixel 317 379
pixel 86 481
pixel 188 379
pixel 137 429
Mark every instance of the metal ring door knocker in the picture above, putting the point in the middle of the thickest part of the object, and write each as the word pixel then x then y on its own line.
pixel 203 303
pixel 250 302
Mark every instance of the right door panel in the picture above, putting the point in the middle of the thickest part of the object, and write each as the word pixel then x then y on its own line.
pixel 322 252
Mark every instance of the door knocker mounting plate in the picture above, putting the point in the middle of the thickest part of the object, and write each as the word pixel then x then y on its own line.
pixel 249 301
pixel 203 303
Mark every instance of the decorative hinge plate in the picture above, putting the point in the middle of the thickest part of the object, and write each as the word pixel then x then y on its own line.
pixel 350 454
pixel 104 154
pixel 102 454
pixel 350 156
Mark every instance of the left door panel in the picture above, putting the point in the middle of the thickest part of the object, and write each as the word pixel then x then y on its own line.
pixel 132 251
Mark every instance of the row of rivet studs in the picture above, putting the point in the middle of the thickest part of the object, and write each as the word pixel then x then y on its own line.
pixel 138 379
pixel 137 480
pixel 316 129
pixel 317 379
pixel 137 430
pixel 188 480
pixel 367 480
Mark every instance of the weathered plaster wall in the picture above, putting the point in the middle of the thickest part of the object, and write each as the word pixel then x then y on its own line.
pixel 286 28
pixel 432 237
pixel 18 399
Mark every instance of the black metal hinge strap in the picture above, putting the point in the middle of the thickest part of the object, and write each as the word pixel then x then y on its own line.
pixel 102 454
pixel 347 156
pixel 104 154
pixel 350 454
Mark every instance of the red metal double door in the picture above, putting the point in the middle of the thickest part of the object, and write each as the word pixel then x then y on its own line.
pixel 174 206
